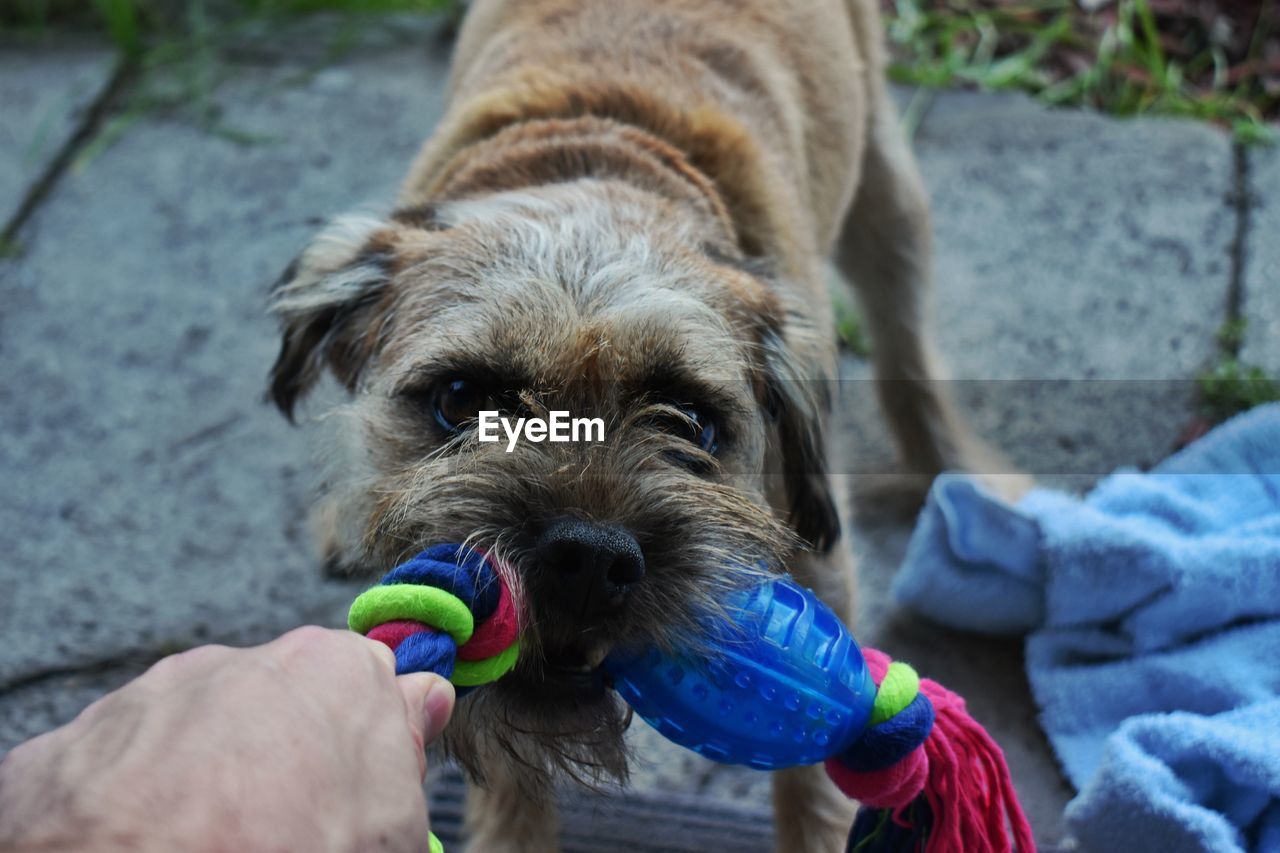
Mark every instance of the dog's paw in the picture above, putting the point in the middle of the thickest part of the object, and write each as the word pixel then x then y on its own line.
pixel 1009 485
pixel 901 493
pixel 992 471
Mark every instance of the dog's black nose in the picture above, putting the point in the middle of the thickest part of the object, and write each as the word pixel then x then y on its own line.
pixel 593 564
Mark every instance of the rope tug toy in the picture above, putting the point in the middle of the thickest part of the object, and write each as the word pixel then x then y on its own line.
pixel 445 611
pixel 778 683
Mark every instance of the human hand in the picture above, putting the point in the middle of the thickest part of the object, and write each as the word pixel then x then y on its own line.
pixel 309 742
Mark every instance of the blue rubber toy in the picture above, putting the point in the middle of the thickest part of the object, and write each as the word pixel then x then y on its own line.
pixel 780 683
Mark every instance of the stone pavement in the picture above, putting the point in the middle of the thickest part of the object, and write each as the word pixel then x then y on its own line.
pixel 1260 279
pixel 153 502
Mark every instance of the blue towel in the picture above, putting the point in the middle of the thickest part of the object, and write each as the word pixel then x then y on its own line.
pixel 1152 614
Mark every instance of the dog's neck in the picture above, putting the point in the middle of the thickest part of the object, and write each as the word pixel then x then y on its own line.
pixel 548 151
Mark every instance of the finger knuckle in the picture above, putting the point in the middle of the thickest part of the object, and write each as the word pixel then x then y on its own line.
pixel 310 637
pixel 185 662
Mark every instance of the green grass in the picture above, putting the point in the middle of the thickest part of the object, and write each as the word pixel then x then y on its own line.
pixel 1117 62
pixel 1231 386
pixel 849 328
pixel 294 7
pixel 124 23
pixel 9 249
pixel 1230 335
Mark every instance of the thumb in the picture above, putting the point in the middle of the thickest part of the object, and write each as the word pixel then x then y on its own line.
pixel 428 704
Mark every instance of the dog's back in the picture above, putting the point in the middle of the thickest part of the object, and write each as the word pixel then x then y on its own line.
pixel 768 99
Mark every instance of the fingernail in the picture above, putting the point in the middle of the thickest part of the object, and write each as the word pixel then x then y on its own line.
pixel 438 705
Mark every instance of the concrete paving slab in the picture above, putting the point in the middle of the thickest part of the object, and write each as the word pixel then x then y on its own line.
pixel 1262 266
pixel 45 89
pixel 1080 248
pixel 152 498
pixel 1072 245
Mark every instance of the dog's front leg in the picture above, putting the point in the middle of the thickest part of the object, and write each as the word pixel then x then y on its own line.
pixel 506 816
pixel 811 815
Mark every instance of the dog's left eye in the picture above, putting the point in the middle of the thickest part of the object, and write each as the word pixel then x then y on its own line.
pixel 698 426
pixel 455 403
pixel 708 432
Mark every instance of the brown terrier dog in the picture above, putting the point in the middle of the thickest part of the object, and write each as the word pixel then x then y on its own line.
pixel 626 213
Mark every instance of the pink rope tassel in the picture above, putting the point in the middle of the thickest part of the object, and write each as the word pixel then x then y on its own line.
pixel 968 787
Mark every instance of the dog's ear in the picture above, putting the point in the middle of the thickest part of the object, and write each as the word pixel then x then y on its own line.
pixel 798 399
pixel 328 302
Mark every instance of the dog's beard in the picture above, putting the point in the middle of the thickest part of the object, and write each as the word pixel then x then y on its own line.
pixel 540 733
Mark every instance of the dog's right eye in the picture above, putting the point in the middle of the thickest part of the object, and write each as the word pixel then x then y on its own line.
pixel 456 403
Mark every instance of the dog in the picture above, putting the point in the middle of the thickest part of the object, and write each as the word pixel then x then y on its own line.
pixel 628 212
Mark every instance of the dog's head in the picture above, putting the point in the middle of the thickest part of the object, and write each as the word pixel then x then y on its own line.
pixel 597 300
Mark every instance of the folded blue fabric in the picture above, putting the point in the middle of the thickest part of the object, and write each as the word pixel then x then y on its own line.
pixel 1152 609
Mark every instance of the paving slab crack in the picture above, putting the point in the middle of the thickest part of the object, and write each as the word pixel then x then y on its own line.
pixel 84 133
pixel 1242 202
pixel 207 434
pixel 137 659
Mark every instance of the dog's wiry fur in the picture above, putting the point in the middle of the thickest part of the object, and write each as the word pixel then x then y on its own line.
pixel 628 206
